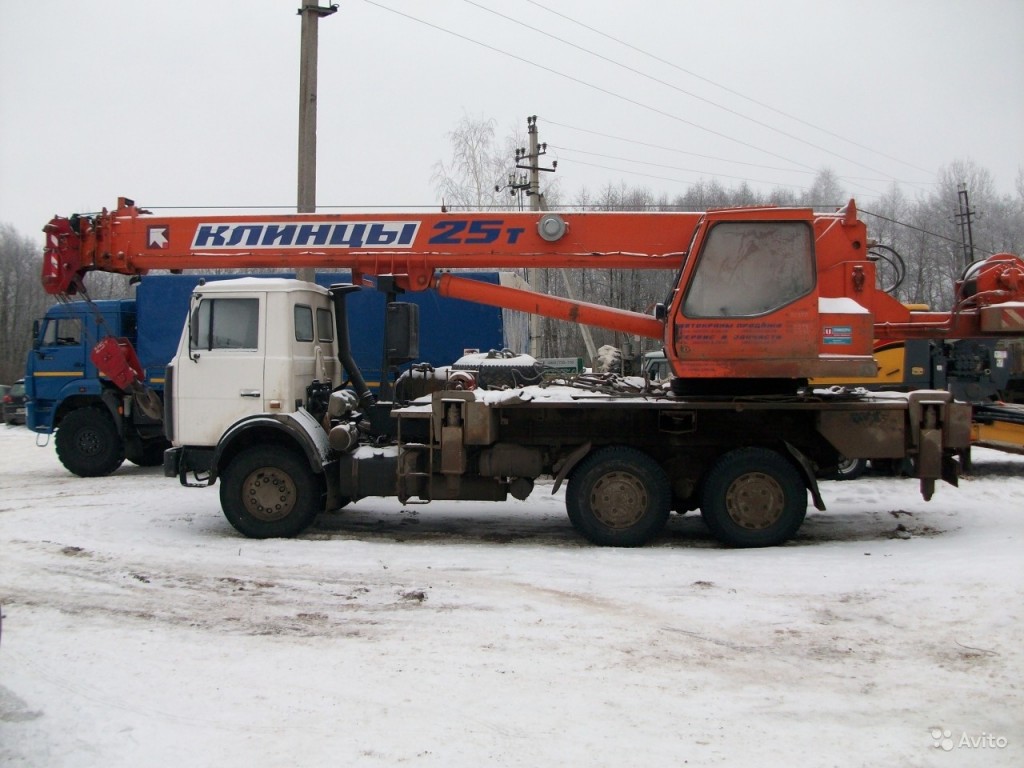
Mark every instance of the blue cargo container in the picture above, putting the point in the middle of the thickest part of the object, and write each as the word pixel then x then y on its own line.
pixel 92 417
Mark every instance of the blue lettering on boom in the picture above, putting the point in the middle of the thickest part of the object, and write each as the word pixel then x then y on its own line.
pixel 310 234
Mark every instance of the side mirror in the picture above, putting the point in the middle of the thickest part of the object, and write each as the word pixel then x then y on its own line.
pixel 193 332
pixel 402 332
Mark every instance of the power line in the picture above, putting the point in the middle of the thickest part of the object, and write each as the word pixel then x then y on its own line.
pixel 666 166
pixel 729 90
pixel 657 177
pixel 672 86
pixel 592 86
pixel 713 157
pixel 921 230
pixel 670 149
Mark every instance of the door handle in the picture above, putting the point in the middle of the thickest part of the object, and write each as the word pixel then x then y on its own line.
pixel 249 393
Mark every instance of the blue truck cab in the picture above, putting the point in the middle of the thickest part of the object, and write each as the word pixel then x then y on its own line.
pixel 98 426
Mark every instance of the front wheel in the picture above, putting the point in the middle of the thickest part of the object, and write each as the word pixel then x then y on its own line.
pixel 270 492
pixel 88 443
pixel 618 497
pixel 753 497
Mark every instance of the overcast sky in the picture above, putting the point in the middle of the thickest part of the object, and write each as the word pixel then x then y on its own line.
pixel 195 102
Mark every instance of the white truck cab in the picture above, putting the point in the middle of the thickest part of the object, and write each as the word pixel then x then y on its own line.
pixel 251 346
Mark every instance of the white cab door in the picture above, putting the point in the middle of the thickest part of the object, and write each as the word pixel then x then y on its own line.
pixel 221 378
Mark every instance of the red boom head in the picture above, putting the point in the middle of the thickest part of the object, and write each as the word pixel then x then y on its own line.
pixel 62 257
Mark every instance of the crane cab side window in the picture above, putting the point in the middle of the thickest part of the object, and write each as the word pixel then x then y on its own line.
pixel 750 268
pixel 226 324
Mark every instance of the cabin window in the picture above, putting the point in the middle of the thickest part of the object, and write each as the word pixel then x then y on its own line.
pixel 62 331
pixel 303 323
pixel 227 324
pixel 751 268
pixel 324 325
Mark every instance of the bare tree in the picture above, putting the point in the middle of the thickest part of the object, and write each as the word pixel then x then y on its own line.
pixel 22 299
pixel 475 178
pixel 477 166
pixel 826 192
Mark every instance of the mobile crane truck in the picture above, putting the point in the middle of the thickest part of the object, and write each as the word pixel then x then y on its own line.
pixel 763 300
pixel 99 423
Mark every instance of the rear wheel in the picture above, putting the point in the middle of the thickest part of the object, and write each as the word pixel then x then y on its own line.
pixel 88 443
pixel 618 497
pixel 849 469
pixel 753 497
pixel 270 492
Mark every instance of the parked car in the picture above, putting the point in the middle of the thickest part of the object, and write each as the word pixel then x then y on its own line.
pixel 4 389
pixel 14 403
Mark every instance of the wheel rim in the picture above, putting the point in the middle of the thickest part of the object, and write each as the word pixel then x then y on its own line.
pixel 848 466
pixel 269 494
pixel 88 442
pixel 755 501
pixel 619 500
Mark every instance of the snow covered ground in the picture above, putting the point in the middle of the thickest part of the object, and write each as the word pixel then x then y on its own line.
pixel 140 630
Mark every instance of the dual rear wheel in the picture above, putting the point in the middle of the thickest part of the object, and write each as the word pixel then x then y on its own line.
pixel 751 497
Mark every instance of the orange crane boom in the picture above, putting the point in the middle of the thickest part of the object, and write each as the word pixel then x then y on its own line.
pixel 769 293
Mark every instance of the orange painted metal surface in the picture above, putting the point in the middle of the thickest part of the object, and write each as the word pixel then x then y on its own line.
pixel 582 312
pixel 128 241
pixel 765 293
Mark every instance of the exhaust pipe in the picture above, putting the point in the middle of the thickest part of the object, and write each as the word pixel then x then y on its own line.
pixel 338 292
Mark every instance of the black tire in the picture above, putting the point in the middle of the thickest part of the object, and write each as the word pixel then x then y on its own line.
pixel 270 492
pixel 753 497
pixel 848 469
pixel 151 453
pixel 618 497
pixel 88 444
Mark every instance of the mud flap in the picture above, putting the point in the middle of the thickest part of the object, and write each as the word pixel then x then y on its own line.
pixel 929 461
pixel 951 471
pixel 568 463
pixel 809 476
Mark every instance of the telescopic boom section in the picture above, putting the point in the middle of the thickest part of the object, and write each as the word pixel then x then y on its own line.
pixel 129 241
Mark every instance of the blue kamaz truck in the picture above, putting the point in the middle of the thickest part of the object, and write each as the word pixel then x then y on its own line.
pixel 98 425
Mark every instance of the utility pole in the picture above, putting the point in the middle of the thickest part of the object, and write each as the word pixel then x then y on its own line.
pixel 537 203
pixel 311 11
pixel 964 217
pixel 532 158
